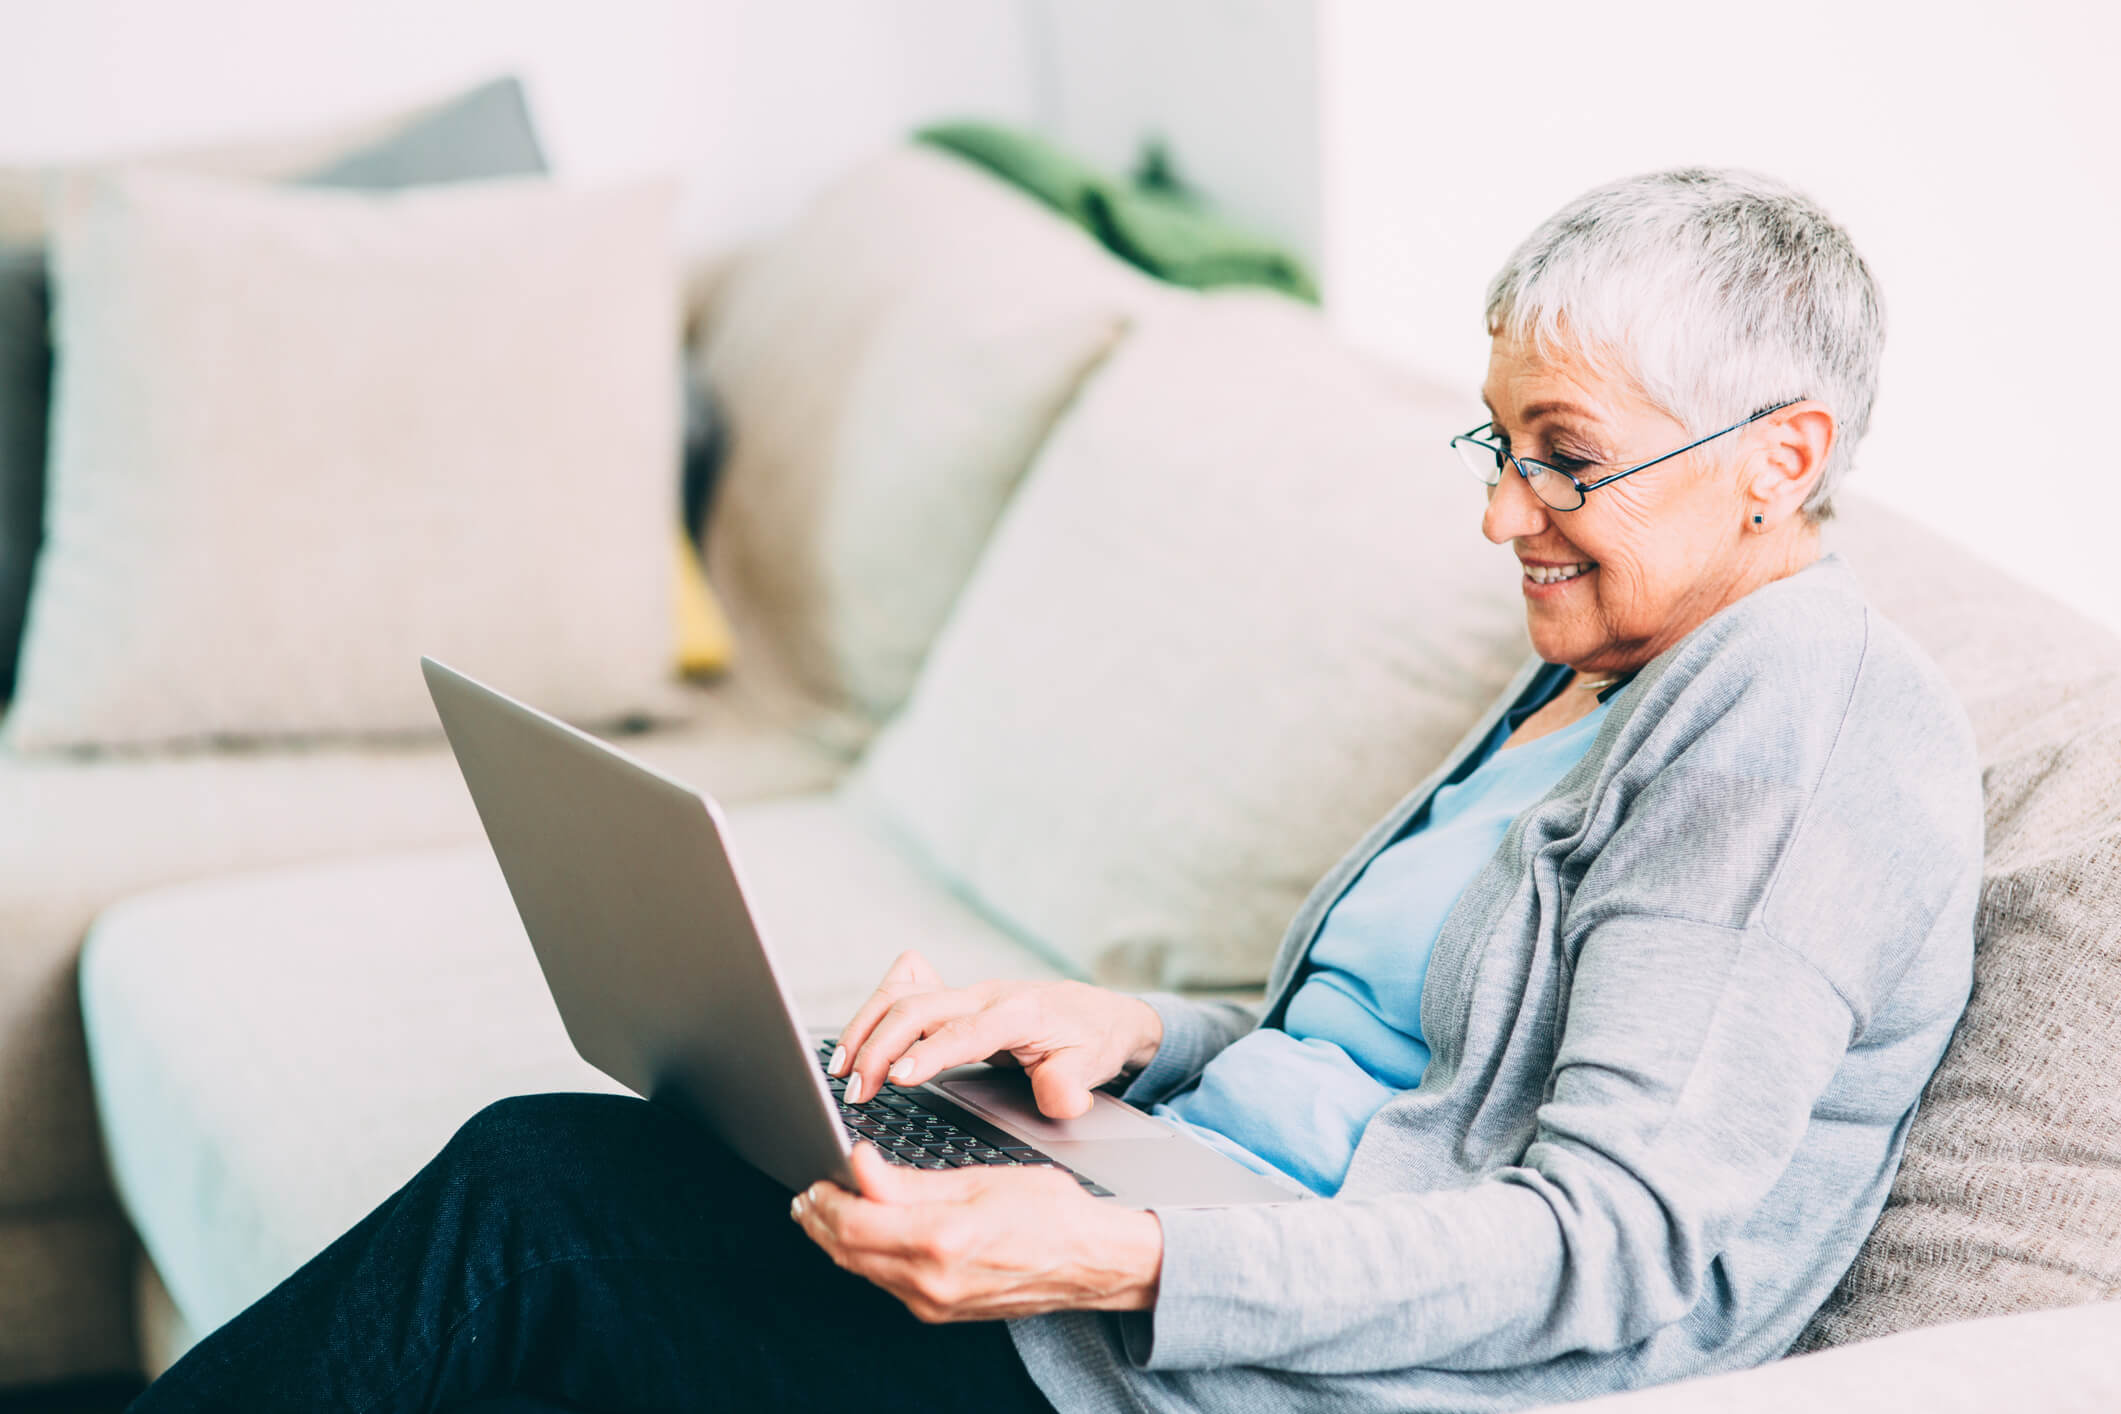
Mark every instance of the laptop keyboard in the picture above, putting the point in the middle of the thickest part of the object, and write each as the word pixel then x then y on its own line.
pixel 920 1129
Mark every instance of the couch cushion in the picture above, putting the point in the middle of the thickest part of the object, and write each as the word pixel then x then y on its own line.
pixel 393 997
pixel 2009 1197
pixel 1238 608
pixel 888 367
pixel 78 834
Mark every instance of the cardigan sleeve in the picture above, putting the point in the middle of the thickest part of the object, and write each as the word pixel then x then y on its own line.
pixel 1655 1145
pixel 1195 1032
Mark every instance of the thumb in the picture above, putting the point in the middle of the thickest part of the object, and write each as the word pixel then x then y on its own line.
pixel 885 1182
pixel 1061 1085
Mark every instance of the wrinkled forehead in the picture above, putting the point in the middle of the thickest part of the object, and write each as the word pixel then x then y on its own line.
pixel 1530 381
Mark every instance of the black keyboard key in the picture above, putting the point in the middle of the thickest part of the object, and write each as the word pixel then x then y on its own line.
pixel 925 1122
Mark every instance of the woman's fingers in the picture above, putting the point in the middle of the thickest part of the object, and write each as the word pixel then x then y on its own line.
pixel 911 1029
pixel 843 1224
pixel 909 973
pixel 884 1218
pixel 977 1244
pixel 903 1022
pixel 973 1036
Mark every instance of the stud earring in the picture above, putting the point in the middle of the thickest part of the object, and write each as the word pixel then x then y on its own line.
pixel 1756 520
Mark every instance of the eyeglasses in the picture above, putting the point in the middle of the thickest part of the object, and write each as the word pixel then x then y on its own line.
pixel 1486 458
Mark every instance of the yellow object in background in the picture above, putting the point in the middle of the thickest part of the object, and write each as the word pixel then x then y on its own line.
pixel 704 643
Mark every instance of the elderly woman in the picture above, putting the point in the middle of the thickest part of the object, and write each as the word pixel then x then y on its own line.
pixel 1590 1067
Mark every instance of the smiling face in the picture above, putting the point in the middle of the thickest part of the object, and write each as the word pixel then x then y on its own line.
pixel 1645 560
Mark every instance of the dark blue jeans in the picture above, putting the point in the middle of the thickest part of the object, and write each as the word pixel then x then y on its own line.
pixel 591 1253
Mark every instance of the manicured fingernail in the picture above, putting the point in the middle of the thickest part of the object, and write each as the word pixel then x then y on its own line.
pixel 901 1068
pixel 854 1088
pixel 795 1208
pixel 838 1061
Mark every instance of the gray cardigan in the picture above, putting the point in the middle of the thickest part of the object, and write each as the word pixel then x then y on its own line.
pixel 1680 1022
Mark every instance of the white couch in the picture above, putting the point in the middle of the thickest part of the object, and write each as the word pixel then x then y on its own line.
pixel 1233 539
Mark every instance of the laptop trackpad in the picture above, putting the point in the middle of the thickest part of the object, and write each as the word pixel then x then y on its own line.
pixel 1005 1097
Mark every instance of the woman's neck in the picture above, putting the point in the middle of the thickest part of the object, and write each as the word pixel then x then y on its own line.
pixel 1566 708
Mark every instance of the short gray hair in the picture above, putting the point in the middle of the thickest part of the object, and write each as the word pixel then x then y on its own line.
pixel 1718 292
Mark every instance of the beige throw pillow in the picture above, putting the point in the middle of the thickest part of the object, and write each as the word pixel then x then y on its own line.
pixel 1240 605
pixel 302 437
pixel 888 367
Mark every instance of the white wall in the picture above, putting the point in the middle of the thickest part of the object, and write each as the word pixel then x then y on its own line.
pixel 1406 146
pixel 755 101
pixel 1969 149
pixel 1229 85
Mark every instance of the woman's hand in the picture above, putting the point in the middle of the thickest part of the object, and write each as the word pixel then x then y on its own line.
pixel 1069 1036
pixel 984 1244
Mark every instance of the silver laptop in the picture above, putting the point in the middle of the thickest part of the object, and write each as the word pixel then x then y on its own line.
pixel 634 902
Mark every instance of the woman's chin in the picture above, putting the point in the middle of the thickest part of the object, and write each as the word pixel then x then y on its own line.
pixel 1554 639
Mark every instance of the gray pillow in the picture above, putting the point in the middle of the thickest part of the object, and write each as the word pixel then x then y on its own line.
pixel 486 132
pixel 2009 1196
pixel 25 387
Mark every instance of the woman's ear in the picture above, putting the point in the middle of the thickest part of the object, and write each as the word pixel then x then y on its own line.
pixel 1789 459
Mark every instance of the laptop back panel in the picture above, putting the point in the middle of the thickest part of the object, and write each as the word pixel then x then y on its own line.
pixel 639 921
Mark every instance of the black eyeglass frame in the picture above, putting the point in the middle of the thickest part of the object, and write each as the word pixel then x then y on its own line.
pixel 1583 490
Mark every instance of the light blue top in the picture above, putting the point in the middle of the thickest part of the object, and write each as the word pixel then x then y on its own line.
pixel 1294 1099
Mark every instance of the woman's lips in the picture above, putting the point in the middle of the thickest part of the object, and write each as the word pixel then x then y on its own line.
pixel 1549 579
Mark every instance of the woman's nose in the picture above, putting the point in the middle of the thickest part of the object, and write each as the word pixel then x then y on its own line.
pixel 1513 511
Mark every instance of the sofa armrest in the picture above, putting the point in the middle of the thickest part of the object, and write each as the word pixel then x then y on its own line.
pixel 2058 1362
